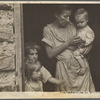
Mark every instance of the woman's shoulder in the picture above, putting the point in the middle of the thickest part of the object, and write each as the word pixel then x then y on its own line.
pixel 48 27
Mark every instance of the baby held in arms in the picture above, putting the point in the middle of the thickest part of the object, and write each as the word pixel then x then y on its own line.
pixel 87 36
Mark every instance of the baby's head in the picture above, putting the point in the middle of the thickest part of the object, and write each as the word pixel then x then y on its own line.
pixel 31 52
pixel 36 76
pixel 81 18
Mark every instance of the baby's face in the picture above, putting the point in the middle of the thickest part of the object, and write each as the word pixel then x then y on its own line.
pixel 36 76
pixel 81 21
pixel 33 55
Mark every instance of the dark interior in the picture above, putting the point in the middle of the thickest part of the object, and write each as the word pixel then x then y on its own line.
pixel 37 16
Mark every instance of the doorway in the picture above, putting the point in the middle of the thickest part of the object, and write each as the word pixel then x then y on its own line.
pixel 37 16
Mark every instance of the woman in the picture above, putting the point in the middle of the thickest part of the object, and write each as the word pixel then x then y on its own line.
pixel 60 42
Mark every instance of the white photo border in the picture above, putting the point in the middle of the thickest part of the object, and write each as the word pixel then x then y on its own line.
pixel 50 95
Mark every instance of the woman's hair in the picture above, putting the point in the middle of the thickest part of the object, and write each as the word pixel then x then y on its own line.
pixel 59 8
pixel 82 12
pixel 31 45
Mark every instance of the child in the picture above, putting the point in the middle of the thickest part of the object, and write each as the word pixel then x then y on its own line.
pixel 35 72
pixel 86 34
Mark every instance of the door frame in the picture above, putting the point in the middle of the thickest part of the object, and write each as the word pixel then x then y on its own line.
pixel 19 40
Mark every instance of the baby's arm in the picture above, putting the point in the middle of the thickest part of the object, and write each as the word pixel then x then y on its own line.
pixel 87 44
pixel 89 38
pixel 87 50
pixel 56 81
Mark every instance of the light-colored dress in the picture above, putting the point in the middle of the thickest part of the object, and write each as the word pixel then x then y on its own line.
pixel 37 86
pixel 87 35
pixel 67 66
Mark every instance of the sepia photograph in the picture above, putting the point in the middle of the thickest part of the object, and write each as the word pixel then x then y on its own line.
pixel 50 49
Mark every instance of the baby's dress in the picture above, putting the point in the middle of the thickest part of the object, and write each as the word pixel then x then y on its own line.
pixel 67 66
pixel 87 35
pixel 37 86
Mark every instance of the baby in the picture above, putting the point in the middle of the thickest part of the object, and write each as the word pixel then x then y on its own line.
pixel 35 73
pixel 87 36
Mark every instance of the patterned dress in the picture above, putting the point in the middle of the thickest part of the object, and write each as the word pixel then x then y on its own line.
pixel 67 66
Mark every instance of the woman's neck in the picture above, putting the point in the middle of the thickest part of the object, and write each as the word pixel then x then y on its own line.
pixel 55 23
pixel 58 25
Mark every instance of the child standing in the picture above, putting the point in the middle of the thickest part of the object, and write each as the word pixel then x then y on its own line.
pixel 35 73
pixel 86 34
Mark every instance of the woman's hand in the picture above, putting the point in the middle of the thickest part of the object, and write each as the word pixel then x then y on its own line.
pixel 82 71
pixel 72 48
pixel 74 41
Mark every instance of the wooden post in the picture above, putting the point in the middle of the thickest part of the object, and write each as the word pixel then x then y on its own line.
pixel 19 40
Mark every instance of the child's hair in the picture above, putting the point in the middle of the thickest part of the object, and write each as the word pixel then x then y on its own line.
pixel 29 69
pixel 81 12
pixel 31 45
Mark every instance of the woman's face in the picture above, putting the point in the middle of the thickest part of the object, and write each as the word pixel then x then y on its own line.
pixel 63 18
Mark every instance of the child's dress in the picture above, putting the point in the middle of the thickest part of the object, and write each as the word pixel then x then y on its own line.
pixel 87 36
pixel 36 86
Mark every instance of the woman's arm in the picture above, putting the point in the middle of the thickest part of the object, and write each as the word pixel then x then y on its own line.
pixel 72 48
pixel 52 52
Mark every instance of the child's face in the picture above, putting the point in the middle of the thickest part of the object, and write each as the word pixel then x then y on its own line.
pixel 33 55
pixel 81 21
pixel 36 76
